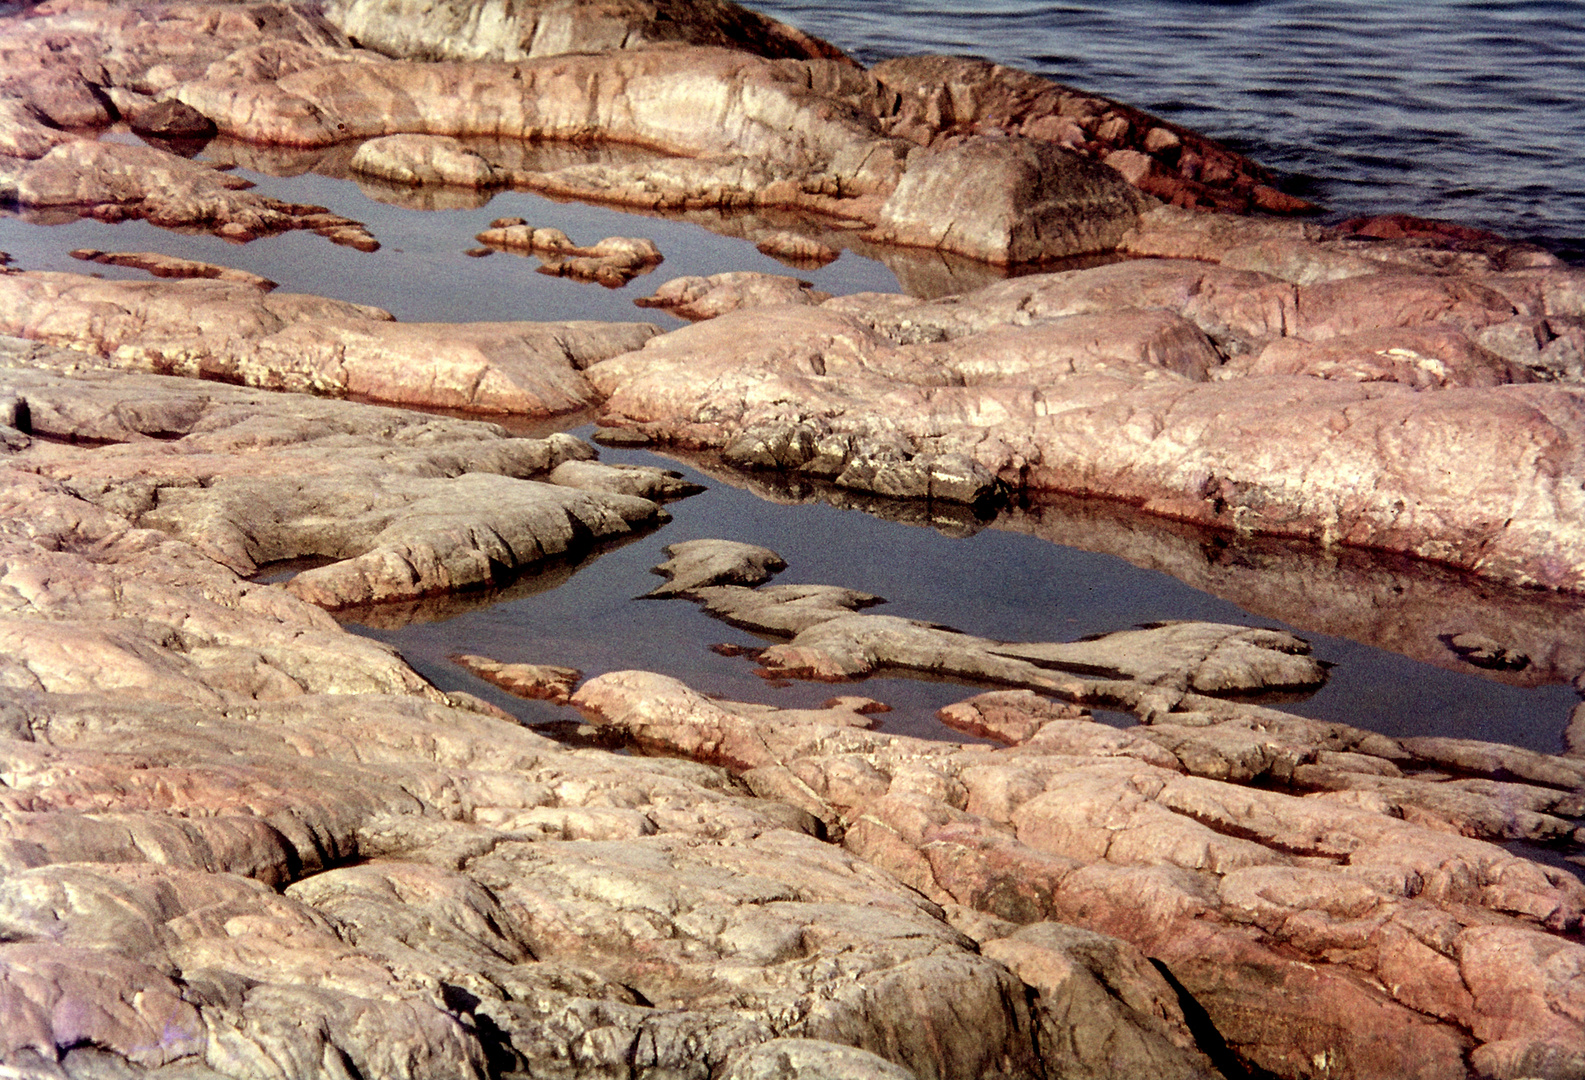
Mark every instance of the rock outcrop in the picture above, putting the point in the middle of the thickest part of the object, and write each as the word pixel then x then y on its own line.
pixel 698 298
pixel 1313 895
pixel 495 30
pixel 739 110
pixel 237 841
pixel 942 99
pixel 221 330
pixel 1155 381
pixel 170 266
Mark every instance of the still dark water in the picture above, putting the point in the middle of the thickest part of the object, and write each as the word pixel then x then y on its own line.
pixel 1457 109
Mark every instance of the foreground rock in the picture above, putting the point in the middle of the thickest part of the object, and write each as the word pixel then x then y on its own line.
pixel 231 332
pixel 1139 381
pixel 236 841
pixel 1351 931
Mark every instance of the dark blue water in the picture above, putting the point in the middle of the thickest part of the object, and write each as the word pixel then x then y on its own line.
pixel 1469 111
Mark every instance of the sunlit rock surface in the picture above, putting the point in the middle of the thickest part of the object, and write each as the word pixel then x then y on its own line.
pixel 1135 380
pixel 236 841
pixel 234 333
pixel 1319 894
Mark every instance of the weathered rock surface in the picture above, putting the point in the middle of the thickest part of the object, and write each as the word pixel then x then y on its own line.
pixel 425 159
pixel 1007 201
pixel 234 333
pixel 170 119
pixel 502 31
pixel 695 565
pixel 941 99
pixel 797 249
pixel 236 841
pixel 406 505
pixel 645 481
pixel 115 182
pixel 1101 1006
pixel 1350 931
pixel 1125 380
pixel 706 297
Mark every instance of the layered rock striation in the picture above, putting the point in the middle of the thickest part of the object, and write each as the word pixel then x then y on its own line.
pixel 1336 905
pixel 233 332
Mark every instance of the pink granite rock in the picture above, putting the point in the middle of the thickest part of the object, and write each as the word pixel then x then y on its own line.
pixel 1071 383
pixel 218 330
pixel 1309 927
pixel 238 840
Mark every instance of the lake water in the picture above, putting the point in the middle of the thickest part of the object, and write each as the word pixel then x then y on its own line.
pixel 1275 79
pixel 1468 110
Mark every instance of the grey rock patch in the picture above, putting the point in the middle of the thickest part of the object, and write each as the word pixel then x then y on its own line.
pixel 697 564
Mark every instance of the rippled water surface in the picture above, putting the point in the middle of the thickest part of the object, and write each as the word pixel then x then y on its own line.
pixel 1444 108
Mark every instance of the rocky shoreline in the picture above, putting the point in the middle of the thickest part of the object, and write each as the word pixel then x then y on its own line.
pixel 236 840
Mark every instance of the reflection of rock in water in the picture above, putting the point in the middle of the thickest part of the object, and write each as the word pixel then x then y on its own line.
pixel 425 196
pixel 930 274
pixel 332 161
pixel 952 519
pixel 1390 602
pixel 49 215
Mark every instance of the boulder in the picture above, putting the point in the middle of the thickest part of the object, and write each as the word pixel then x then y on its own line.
pixel 494 30
pixel 424 159
pixel 170 119
pixel 1006 201
pixel 1104 1009
pixel 940 99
